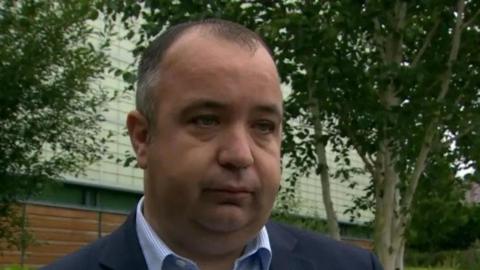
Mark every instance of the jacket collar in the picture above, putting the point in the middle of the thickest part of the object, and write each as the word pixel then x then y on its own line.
pixel 122 250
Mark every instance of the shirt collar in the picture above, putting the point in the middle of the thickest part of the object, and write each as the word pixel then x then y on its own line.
pixel 156 251
pixel 261 245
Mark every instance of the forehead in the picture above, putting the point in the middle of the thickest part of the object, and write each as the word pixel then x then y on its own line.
pixel 200 63
pixel 199 50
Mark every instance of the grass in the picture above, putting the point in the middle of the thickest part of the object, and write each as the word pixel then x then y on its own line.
pixel 429 268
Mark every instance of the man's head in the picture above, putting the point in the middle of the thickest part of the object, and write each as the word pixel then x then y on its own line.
pixel 153 55
pixel 207 132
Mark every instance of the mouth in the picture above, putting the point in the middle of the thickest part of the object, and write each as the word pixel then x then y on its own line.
pixel 228 195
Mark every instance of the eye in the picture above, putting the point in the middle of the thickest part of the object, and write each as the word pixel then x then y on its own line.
pixel 265 127
pixel 205 121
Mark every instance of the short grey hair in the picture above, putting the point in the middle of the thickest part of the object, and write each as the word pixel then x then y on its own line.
pixel 149 67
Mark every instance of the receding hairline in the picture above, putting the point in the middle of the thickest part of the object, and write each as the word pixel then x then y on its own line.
pixel 208 31
pixel 201 31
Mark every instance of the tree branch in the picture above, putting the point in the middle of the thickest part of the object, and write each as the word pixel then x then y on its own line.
pixel 368 164
pixel 378 39
pixel 431 128
pixel 461 134
pixel 371 159
pixel 420 164
pixel 471 20
pixel 426 43
pixel 457 35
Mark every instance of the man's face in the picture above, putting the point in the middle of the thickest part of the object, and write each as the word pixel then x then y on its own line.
pixel 212 164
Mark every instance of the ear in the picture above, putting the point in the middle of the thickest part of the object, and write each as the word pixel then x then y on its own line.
pixel 138 131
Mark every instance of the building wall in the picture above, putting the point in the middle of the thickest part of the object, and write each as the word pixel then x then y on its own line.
pixel 109 172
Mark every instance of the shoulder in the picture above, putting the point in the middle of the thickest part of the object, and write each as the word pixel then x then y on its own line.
pixel 119 250
pixel 321 249
pixel 85 258
pixel 121 247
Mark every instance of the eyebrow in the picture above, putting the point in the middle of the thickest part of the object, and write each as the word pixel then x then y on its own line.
pixel 270 109
pixel 203 104
pixel 209 104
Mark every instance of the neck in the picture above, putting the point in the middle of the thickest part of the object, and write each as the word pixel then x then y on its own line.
pixel 207 257
pixel 209 250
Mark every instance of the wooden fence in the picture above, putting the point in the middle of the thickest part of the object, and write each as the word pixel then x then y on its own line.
pixel 58 231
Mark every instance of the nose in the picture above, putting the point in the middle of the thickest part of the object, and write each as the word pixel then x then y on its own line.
pixel 236 149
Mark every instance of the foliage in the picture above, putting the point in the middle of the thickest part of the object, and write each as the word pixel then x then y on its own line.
pixel 49 108
pixel 309 223
pixel 457 259
pixel 441 205
pixel 429 268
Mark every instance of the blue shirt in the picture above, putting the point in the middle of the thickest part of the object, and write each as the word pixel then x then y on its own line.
pixel 158 256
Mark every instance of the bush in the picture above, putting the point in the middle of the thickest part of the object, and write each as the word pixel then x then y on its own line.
pixel 309 223
pixel 461 260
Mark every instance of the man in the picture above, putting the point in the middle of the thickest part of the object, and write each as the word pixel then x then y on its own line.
pixel 207 133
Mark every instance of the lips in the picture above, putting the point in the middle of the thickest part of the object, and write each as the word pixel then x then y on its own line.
pixel 229 195
pixel 230 190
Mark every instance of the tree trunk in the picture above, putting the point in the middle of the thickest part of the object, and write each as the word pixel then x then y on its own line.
pixel 388 234
pixel 388 261
pixel 389 228
pixel 399 264
pixel 332 221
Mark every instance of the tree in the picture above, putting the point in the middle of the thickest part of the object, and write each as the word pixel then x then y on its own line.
pixel 391 80
pixel 49 104
pixel 395 81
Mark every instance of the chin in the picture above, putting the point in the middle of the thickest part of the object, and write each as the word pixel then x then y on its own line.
pixel 228 220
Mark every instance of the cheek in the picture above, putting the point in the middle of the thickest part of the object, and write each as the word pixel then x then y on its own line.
pixel 178 169
pixel 173 191
pixel 270 175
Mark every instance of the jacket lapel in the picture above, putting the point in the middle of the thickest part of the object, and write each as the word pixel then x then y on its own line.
pixel 284 256
pixel 122 251
pixel 287 261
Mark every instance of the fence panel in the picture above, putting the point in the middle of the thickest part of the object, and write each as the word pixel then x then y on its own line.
pixel 58 231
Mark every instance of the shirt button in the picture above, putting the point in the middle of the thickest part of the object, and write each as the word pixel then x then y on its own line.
pixel 181 263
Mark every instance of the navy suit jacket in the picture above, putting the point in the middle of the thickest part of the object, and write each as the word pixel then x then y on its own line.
pixel 292 249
